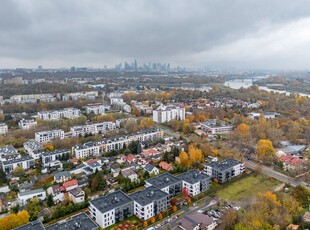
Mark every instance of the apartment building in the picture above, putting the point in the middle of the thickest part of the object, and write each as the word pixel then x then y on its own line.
pixel 92 128
pixel 96 109
pixel 167 183
pixel 23 197
pixel 69 113
pixel 3 128
pixel 215 127
pixel 49 159
pixel 115 143
pixel 87 149
pixel 167 113
pixel 112 208
pixel 33 148
pixel 25 162
pixel 46 136
pixel 26 124
pixel 224 170
pixel 149 202
pixel 194 182
pixel 8 152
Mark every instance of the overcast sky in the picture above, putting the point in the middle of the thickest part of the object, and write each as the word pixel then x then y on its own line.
pixel 272 34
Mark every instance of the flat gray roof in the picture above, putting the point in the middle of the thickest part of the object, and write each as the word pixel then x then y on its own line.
pixel 35 225
pixel 111 201
pixel 148 195
pixel 193 176
pixel 163 180
pixel 226 164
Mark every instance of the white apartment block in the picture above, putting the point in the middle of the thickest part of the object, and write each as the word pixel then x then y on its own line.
pixel 115 143
pixel 33 148
pixel 92 128
pixel 8 152
pixel 3 129
pixel 69 113
pixel 48 159
pixel 26 162
pixel 97 109
pixel 86 150
pixel 149 202
pixel 23 197
pixel 46 136
pixel 215 127
pixel 167 113
pixel 27 124
pixel 110 209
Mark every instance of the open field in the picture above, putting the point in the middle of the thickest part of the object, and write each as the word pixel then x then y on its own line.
pixel 248 187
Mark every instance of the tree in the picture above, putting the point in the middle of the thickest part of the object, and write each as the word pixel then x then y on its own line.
pixel 195 155
pixel 18 171
pixel 2 177
pixel 50 200
pixel 184 159
pixel 145 224
pixel 265 148
pixel 160 216
pixel 131 125
pixel 49 147
pixel 13 221
pixel 174 208
pixel 153 220
pixel 229 219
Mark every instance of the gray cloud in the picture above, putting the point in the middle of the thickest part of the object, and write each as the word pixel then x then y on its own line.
pixel 241 33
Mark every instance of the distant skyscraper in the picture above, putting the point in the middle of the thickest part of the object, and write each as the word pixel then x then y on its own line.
pixel 40 67
pixel 135 65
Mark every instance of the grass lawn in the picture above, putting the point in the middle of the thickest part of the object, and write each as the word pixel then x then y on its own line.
pixel 248 187
pixel 127 224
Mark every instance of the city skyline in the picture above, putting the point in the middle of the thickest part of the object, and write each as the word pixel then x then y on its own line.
pixel 243 35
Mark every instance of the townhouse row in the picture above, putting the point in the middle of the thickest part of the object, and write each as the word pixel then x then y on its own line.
pixel 94 148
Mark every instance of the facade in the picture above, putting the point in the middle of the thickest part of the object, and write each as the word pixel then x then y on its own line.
pixel 195 182
pixel 25 162
pixel 49 158
pixel 27 124
pixel 79 221
pixel 3 129
pixel 69 113
pixel 215 127
pixel 71 184
pixel 96 109
pixel 167 183
pixel 151 169
pixel 149 202
pixel 130 174
pixel 54 190
pixel 46 136
pixel 196 221
pixel 85 150
pixel 62 177
pixel 33 148
pixel 23 197
pixel 165 114
pixel 224 170
pixel 112 208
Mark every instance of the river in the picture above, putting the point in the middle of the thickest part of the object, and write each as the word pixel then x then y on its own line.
pixel 248 82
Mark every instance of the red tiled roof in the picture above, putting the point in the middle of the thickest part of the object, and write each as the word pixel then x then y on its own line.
pixel 290 159
pixel 70 183
pixel 150 152
pixel 165 166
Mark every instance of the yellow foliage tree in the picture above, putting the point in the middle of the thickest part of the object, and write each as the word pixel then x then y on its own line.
pixel 49 147
pixel 14 220
pixel 265 148
pixel 160 216
pixel 195 155
pixel 145 224
pixel 184 159
pixel 153 220
pixel 174 208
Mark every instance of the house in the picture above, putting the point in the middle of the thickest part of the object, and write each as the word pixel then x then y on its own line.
pixel 3 128
pixel 167 113
pixel 167 183
pixel 26 186
pixel 71 184
pixel 129 158
pixel 149 202
pixel 52 158
pixel 194 182
pixel 115 170
pixel 290 162
pixel 111 209
pixel 306 217
pixel 56 193
pixel 197 221
pixel 93 164
pixel 224 170
pixel 8 152
pixel 149 153
pixel 96 109
pixel 47 136
pixel 130 174
pixel 27 124
pixel 79 221
pixel 62 176
pixel 86 150
pixel 165 166
pixel 152 170
pixel 23 197
pixel 77 195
